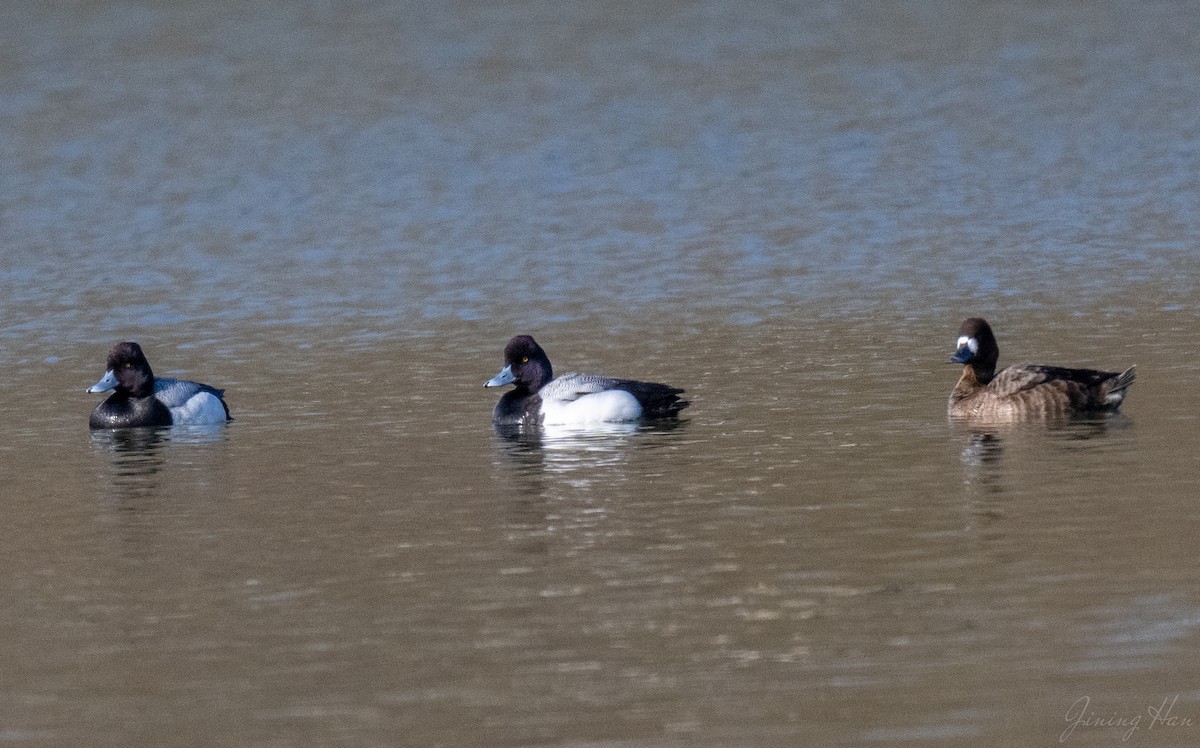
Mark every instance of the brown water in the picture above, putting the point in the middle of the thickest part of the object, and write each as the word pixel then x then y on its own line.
pixel 341 211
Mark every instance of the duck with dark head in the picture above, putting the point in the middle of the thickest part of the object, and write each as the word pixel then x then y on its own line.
pixel 1026 391
pixel 141 399
pixel 538 398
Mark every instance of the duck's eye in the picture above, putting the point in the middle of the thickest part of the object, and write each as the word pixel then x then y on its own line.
pixel 524 359
pixel 128 365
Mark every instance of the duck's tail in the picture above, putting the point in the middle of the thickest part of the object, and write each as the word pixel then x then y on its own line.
pixel 1115 392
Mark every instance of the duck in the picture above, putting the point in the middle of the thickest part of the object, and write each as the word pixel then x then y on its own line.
pixel 141 399
pixel 1026 391
pixel 540 399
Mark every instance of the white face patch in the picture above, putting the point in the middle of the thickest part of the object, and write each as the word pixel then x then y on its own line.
pixel 969 342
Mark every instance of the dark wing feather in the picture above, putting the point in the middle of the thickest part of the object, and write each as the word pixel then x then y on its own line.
pixel 1052 388
pixel 1016 379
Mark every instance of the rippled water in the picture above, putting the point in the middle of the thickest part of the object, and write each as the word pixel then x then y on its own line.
pixel 340 212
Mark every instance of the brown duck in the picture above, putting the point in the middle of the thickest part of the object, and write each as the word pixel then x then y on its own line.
pixel 1026 391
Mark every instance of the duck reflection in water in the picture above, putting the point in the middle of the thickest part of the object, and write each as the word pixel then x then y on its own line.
pixel 137 455
pixel 557 448
pixel 983 450
pixel 562 449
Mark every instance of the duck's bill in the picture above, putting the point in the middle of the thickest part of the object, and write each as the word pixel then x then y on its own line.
pixel 504 377
pixel 106 383
pixel 962 356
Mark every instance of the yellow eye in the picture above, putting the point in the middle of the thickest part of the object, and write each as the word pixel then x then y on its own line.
pixel 128 365
pixel 524 359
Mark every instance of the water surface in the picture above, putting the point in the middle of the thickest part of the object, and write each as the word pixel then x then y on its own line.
pixel 340 212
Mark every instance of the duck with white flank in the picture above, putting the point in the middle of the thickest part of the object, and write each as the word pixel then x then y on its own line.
pixel 573 399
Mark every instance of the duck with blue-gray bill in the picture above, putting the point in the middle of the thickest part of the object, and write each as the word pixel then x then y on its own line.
pixel 141 399
pixel 538 398
pixel 1026 391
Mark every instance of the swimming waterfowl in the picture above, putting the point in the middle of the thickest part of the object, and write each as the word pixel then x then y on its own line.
pixel 141 399
pixel 573 399
pixel 1025 391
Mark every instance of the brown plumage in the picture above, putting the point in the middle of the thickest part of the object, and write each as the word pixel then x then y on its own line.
pixel 1026 391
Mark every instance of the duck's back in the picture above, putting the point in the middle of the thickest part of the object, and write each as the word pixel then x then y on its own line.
pixel 653 400
pixel 1028 391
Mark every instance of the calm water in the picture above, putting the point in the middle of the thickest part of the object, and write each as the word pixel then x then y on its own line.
pixel 340 212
